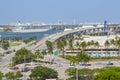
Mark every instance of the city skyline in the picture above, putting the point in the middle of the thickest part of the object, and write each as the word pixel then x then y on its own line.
pixel 50 11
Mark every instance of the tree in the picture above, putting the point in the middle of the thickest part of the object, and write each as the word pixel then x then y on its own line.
pixel 22 51
pixel 97 44
pixel 1 75
pixel 70 38
pixel 5 44
pixel 38 54
pixel 83 45
pixel 49 45
pixel 117 43
pixel 10 76
pixel 77 44
pixel 112 41
pixel 44 52
pixel 64 43
pixel 107 43
pixel 18 74
pixel 42 73
pixel 61 43
pixel 73 60
pixel 91 43
pixel 83 57
pixel 108 74
pixel 71 71
pixel 86 73
pixel 23 55
pixel 30 39
pixel 83 73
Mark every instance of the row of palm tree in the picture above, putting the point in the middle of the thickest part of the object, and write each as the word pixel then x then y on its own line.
pixel 68 42
pixel 113 42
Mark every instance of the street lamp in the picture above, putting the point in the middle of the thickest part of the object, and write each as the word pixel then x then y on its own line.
pixel 77 71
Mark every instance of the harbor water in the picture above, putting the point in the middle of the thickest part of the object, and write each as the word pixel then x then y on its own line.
pixel 38 35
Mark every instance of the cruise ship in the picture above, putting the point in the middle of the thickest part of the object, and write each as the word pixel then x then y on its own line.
pixel 26 28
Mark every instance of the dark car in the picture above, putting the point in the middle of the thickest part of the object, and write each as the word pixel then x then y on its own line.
pixel 85 64
pixel 88 64
pixel 14 68
pixel 110 64
pixel 72 64
pixel 25 69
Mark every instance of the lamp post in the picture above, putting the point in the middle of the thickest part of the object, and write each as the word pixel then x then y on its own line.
pixel 77 71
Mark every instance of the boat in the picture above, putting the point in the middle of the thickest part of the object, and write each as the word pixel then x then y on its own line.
pixel 27 29
pixel 68 29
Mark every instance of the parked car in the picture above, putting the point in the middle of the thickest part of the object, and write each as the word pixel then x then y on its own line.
pixel 14 68
pixel 98 63
pixel 110 64
pixel 88 64
pixel 72 64
pixel 85 64
pixel 25 69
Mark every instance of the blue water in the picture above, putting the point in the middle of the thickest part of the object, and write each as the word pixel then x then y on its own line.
pixel 38 35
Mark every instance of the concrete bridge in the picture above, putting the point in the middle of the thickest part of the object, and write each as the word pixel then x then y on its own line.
pixel 41 44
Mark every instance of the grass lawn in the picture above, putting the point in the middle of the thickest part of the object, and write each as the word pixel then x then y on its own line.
pixel 15 44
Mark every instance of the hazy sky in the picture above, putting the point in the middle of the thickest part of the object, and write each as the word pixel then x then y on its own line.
pixel 50 11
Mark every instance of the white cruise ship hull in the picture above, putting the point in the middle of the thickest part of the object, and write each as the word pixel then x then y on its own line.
pixel 30 30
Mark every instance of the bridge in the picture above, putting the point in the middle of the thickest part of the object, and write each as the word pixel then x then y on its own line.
pixel 41 44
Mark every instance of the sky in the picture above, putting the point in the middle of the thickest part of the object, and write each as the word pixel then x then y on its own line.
pixel 52 11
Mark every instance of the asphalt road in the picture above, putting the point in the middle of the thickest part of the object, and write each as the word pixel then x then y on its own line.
pixel 4 61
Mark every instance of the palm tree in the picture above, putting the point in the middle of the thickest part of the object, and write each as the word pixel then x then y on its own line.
pixel 61 44
pixel 70 36
pixel 92 42
pixel 112 41
pixel 117 43
pixel 77 45
pixel 73 60
pixel 70 40
pixel 64 43
pixel 49 45
pixel 83 45
pixel 96 44
pixel 107 43
pixel 83 57
pixel 89 43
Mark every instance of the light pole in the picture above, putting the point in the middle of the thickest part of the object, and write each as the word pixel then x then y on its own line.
pixel 77 71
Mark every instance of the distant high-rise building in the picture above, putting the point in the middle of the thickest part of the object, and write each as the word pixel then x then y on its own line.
pixel 105 26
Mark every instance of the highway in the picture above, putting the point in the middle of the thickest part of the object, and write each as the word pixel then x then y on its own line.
pixel 41 44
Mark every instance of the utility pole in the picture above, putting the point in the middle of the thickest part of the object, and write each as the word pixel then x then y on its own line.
pixel 77 71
